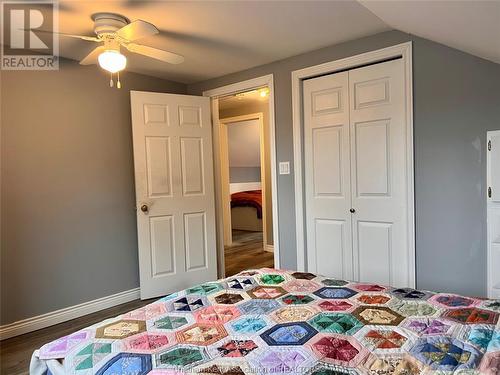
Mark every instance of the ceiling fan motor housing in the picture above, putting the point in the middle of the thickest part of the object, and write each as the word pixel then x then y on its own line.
pixel 108 23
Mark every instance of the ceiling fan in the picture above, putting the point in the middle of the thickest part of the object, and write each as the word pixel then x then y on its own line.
pixel 115 31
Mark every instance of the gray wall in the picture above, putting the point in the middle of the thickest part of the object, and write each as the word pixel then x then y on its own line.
pixel 243 142
pixel 244 174
pixel 456 99
pixel 68 231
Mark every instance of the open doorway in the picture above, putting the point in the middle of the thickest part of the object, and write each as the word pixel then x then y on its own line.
pixel 243 103
pixel 245 177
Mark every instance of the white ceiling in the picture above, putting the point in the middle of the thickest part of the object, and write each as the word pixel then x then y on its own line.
pixel 221 37
pixel 218 37
pixel 470 26
pixel 242 100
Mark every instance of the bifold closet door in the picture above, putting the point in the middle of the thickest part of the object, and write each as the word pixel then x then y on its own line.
pixel 379 173
pixel 355 172
pixel 327 180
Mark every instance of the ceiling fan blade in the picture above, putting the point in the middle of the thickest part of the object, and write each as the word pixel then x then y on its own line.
pixel 155 53
pixel 137 30
pixel 91 58
pixel 83 37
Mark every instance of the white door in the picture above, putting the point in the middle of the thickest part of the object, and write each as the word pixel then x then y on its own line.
pixel 327 175
pixel 493 215
pixel 172 138
pixel 379 173
pixel 356 174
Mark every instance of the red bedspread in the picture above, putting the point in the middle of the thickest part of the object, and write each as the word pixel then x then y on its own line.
pixel 251 198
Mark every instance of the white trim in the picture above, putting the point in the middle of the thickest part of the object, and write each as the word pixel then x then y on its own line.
pixel 219 222
pixel 225 198
pixel 404 51
pixel 237 87
pixel 224 160
pixel 68 313
pixel 269 248
pixel 250 84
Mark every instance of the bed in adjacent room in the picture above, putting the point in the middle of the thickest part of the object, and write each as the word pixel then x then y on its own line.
pixel 246 210
pixel 272 321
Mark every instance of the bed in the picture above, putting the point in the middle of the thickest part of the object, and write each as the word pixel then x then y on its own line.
pixel 272 321
pixel 246 210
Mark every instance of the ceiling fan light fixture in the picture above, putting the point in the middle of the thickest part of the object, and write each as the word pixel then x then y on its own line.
pixel 112 61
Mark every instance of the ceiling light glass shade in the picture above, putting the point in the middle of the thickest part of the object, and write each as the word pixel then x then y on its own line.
pixel 112 61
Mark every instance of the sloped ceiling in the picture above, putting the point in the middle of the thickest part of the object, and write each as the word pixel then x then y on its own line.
pixel 223 37
pixel 470 26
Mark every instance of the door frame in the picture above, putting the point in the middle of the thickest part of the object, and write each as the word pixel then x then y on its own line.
pixel 214 94
pixel 403 51
pixel 224 159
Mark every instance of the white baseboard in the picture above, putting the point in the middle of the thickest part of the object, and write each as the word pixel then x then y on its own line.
pixel 59 316
pixel 269 248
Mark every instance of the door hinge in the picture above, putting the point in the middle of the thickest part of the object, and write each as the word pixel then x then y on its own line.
pixel 489 192
pixel 489 145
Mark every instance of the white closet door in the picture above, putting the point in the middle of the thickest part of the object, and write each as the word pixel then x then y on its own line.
pixel 327 180
pixel 379 173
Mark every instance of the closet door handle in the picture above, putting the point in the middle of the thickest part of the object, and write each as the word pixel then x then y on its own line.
pixel 352 210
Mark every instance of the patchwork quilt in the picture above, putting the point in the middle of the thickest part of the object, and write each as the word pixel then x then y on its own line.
pixel 271 321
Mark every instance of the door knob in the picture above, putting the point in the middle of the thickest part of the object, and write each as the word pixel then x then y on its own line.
pixel 352 210
pixel 144 208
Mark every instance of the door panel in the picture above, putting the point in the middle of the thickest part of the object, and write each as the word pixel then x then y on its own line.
pixel 372 158
pixel 327 101
pixel 195 240
pixel 326 158
pixel 330 236
pixel 374 252
pixel 190 116
pixel 174 179
pixel 158 166
pixel 327 155
pixel 192 166
pixel 378 170
pixel 162 245
pixel 156 114
pixel 371 93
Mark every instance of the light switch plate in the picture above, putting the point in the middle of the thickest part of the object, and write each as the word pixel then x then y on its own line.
pixel 284 167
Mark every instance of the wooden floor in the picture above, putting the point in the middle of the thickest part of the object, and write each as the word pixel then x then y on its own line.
pixel 15 353
pixel 247 251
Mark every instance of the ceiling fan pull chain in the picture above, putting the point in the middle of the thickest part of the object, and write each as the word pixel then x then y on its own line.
pixel 111 83
pixel 118 83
